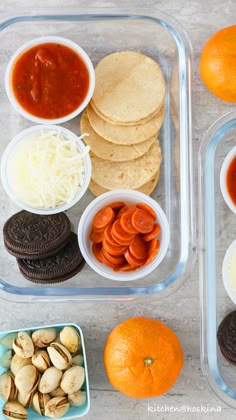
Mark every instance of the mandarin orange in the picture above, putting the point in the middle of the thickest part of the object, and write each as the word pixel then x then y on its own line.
pixel 143 357
pixel 218 64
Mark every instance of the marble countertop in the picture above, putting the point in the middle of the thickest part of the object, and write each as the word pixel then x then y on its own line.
pixel 180 310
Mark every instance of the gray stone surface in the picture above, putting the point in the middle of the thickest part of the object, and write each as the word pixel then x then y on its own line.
pixel 179 310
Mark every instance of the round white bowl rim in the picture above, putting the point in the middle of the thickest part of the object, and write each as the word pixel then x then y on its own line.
pixel 230 291
pixel 64 41
pixel 223 171
pixel 21 136
pixel 106 271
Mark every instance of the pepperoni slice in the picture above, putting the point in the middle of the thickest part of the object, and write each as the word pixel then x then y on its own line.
pixel 125 209
pixel 96 236
pixel 108 236
pixel 103 217
pixel 119 235
pixel 153 253
pixel 153 234
pixel 120 241
pixel 96 248
pixel 117 205
pixel 146 207
pixel 97 230
pixel 114 250
pixel 104 260
pixel 152 245
pixel 126 221
pixel 116 260
pixel 135 262
pixel 125 267
pixel 139 248
pixel 142 221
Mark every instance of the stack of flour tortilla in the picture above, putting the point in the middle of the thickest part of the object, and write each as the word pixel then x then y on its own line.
pixel 123 119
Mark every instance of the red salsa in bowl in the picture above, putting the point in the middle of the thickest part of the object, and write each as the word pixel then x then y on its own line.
pixel 50 80
pixel 228 179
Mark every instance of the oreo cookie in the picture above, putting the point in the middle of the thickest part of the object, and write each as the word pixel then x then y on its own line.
pixel 34 236
pixel 226 336
pixel 57 268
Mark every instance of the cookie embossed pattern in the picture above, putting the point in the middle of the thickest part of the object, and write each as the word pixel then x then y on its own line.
pixel 59 267
pixel 28 235
pixel 44 246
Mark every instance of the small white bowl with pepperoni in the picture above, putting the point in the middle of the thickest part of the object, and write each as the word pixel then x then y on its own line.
pixel 123 235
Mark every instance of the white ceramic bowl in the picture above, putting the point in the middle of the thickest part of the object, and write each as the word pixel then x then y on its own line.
pixel 225 271
pixel 5 175
pixel 223 173
pixel 38 41
pixel 85 224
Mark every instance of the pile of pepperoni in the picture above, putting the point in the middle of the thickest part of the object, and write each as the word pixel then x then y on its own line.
pixel 125 237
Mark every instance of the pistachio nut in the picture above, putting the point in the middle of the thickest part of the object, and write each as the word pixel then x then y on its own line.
pixel 14 411
pixel 5 359
pixel 43 337
pixel 50 380
pixel 23 345
pixel 70 339
pixel 25 399
pixel 39 402
pixel 41 360
pixel 57 407
pixel 7 340
pixel 77 398
pixel 18 362
pixel 8 389
pixel 58 392
pixel 57 339
pixel 73 379
pixel 78 360
pixel 59 355
pixel 27 379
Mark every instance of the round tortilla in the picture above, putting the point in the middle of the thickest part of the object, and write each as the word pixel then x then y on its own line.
pixel 125 135
pixel 130 174
pixel 109 151
pixel 129 87
pixel 147 188
pixel 127 124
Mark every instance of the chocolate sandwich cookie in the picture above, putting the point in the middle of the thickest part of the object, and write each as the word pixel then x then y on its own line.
pixel 57 268
pixel 34 236
pixel 226 337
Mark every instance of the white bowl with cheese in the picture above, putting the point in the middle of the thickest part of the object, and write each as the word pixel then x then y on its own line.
pixel 46 169
pixel 229 271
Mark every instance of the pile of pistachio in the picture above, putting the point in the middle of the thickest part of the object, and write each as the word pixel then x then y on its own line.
pixel 44 372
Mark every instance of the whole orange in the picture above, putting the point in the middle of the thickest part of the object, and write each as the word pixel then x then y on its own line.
pixel 143 357
pixel 218 64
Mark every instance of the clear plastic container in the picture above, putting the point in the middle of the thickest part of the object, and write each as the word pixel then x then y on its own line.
pixel 100 32
pixel 217 231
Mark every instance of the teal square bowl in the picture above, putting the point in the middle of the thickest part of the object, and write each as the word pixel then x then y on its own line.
pixel 73 412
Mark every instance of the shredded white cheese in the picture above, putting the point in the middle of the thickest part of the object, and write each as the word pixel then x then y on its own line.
pixel 47 170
